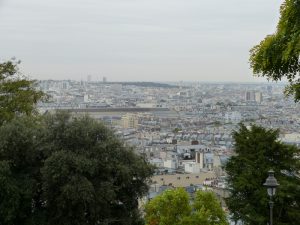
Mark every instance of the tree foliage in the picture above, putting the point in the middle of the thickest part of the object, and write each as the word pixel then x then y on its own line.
pixel 64 171
pixel 257 151
pixel 278 55
pixel 174 207
pixel 18 94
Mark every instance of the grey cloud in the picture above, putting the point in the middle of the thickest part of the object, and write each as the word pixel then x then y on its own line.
pixel 135 39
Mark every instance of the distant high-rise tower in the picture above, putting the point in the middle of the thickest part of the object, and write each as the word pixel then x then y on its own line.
pixel 65 85
pixel 250 96
pixel 89 78
pixel 104 79
pixel 253 96
pixel 258 97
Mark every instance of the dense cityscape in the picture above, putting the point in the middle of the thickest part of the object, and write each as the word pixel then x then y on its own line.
pixel 183 129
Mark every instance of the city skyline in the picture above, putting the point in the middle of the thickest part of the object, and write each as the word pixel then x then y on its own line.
pixel 136 40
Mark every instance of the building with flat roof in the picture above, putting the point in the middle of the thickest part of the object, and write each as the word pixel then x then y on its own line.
pixel 130 120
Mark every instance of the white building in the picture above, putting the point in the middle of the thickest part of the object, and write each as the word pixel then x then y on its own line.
pixel 258 97
pixel 191 167
pixel 171 163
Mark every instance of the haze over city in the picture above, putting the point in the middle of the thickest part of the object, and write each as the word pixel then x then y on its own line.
pixel 130 40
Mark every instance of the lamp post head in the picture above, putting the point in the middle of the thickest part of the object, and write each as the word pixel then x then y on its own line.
pixel 271 183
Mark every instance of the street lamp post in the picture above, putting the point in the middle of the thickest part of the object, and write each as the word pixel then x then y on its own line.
pixel 271 184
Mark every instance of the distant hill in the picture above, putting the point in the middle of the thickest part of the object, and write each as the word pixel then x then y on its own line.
pixel 125 83
pixel 145 84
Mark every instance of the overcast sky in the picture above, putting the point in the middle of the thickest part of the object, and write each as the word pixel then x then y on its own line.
pixel 140 40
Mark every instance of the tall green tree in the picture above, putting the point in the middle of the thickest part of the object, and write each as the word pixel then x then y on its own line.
pixel 258 150
pixel 278 55
pixel 175 207
pixel 18 94
pixel 20 163
pixel 67 171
